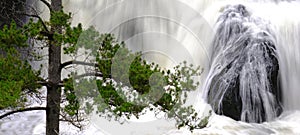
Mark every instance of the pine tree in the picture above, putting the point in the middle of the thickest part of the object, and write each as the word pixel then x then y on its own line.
pixel 121 91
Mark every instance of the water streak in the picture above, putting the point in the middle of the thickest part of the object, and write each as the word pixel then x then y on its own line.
pixel 242 82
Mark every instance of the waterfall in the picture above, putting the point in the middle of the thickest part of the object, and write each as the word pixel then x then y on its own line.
pixel 242 82
pixel 268 26
pixel 284 24
pixel 242 40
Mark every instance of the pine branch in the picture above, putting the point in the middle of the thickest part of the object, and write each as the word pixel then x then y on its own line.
pixel 22 110
pixel 96 74
pixel 72 121
pixel 37 16
pixel 47 4
pixel 63 65
pixel 46 83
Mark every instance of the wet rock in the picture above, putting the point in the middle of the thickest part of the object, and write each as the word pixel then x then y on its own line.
pixel 243 79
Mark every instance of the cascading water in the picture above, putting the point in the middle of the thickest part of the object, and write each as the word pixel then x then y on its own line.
pixel 264 38
pixel 242 82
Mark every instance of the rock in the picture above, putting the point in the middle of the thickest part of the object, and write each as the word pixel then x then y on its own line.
pixel 243 79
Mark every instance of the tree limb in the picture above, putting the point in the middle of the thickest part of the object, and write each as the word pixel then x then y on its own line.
pixel 72 121
pixel 22 110
pixel 63 65
pixel 89 74
pixel 37 16
pixel 45 83
pixel 47 4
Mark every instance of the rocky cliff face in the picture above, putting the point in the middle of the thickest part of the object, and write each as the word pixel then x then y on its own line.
pixel 14 10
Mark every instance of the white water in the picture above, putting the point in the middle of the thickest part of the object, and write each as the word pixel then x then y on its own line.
pixel 179 34
pixel 244 57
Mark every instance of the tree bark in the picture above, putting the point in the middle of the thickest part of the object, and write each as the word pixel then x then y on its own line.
pixel 54 75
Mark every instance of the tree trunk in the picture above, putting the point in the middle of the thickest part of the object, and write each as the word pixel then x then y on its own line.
pixel 54 75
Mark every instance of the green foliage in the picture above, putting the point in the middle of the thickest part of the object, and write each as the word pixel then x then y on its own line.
pixel 72 105
pixel 17 80
pixel 59 18
pixel 10 93
pixel 118 94
pixel 66 35
pixel 33 29
pixel 12 37
pixel 124 84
